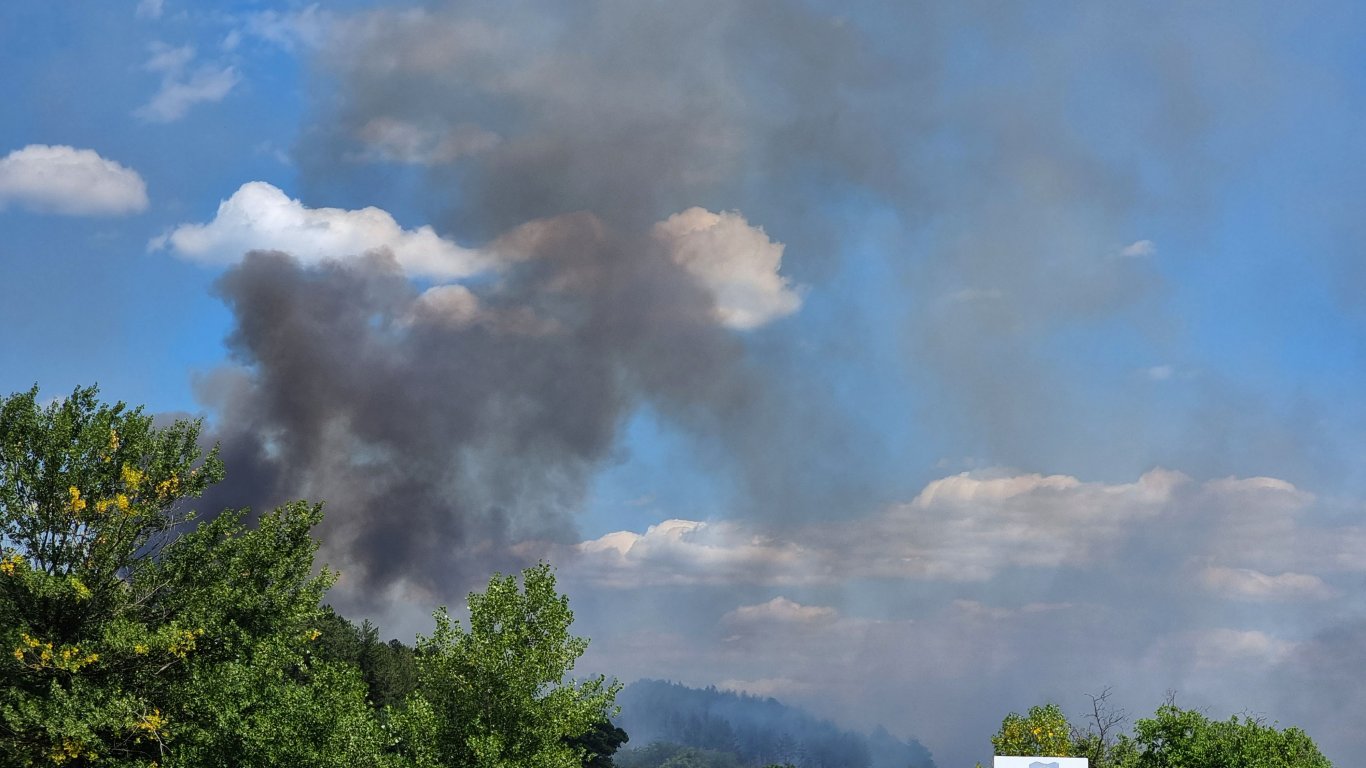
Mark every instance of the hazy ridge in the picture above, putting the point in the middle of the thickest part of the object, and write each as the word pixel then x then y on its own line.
pixel 724 729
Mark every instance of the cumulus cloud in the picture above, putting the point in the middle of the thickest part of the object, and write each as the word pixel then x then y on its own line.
pixel 260 216
pixel 960 528
pixel 453 305
pixel 182 86
pixel 782 611
pixel 66 180
pixel 1219 648
pixel 1253 585
pixel 736 262
pixel 692 552
pixel 972 527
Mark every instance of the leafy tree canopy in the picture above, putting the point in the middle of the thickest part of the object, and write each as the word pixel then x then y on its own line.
pixel 1185 738
pixel 1171 738
pixel 136 635
pixel 500 691
pixel 136 638
pixel 1044 731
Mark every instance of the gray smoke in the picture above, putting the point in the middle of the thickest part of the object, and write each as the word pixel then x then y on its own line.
pixel 1012 157
pixel 439 441
pixel 445 445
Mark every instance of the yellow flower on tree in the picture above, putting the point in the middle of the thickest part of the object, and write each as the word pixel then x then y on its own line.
pixel 1043 731
pixel 10 564
pixel 168 488
pixel 131 476
pixel 151 723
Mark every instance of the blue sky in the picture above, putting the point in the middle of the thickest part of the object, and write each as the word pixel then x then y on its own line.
pixel 831 351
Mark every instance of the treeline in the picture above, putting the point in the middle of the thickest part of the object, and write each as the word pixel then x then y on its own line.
pixel 695 727
pixel 390 671
pixel 1172 738
pixel 139 636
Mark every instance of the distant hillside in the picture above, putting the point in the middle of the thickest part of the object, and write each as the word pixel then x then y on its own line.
pixel 674 726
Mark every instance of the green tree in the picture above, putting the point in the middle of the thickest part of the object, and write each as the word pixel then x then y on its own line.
pixel 136 635
pixel 88 492
pixel 1185 738
pixel 254 691
pixel 1172 738
pixel 389 669
pixel 599 743
pixel 1043 731
pixel 136 638
pixel 500 693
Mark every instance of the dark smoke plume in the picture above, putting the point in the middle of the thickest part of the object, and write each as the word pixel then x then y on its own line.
pixel 452 431
pixel 440 433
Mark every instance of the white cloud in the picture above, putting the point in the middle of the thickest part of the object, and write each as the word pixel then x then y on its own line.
pixel 974 526
pixel 66 180
pixel 305 28
pixel 967 488
pixel 182 88
pixel 1160 372
pixel 259 216
pixel 166 59
pixel 449 305
pixel 396 141
pixel 736 262
pixel 1139 249
pixel 691 552
pixel 781 610
pixel 176 96
pixel 1258 485
pixel 1219 648
pixel 966 527
pixel 971 526
pixel 1252 585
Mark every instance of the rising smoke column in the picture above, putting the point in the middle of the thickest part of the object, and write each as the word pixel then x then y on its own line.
pixel 444 426
pixel 599 157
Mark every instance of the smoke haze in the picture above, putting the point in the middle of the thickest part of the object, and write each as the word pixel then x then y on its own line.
pixel 910 287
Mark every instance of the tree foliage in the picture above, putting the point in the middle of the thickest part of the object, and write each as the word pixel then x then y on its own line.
pixel 136 635
pixel 1185 738
pixel 599 743
pixel 1171 738
pixel 1043 731
pixel 500 690
pixel 389 669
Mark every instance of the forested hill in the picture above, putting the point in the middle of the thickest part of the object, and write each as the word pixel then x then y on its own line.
pixel 722 729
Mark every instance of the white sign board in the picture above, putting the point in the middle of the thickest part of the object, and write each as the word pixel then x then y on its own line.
pixel 1039 762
